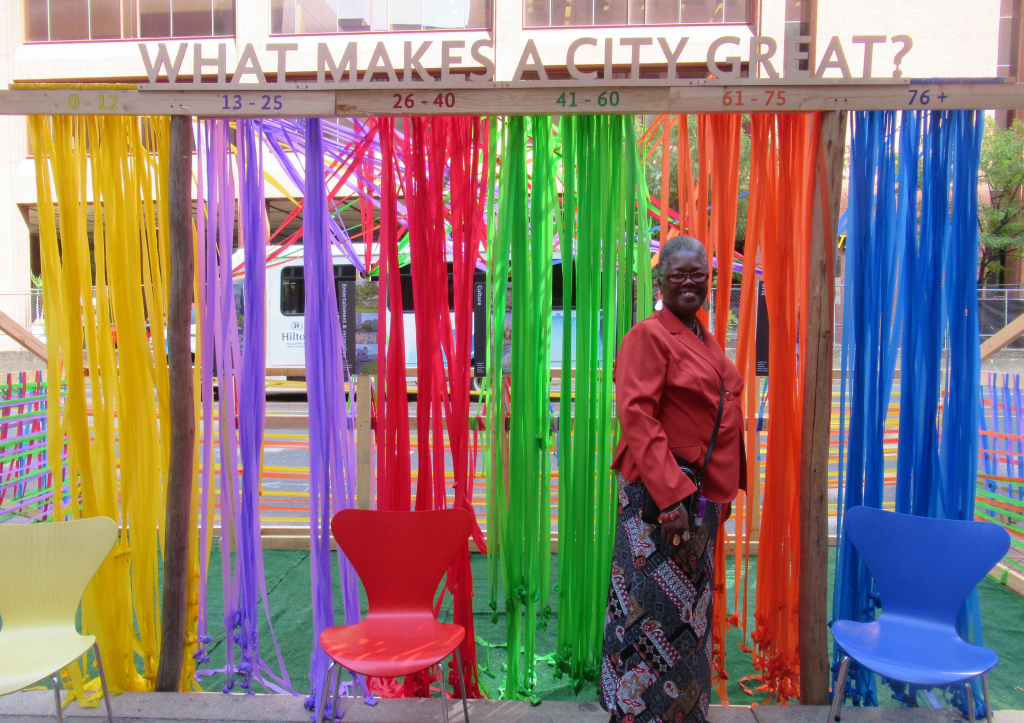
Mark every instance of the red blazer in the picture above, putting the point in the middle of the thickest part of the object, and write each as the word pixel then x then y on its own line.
pixel 667 387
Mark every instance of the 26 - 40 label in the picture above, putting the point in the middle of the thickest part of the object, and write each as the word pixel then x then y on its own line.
pixel 442 100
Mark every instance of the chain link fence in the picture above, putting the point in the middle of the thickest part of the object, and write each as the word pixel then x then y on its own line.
pixel 734 310
pixel 25 307
pixel 997 307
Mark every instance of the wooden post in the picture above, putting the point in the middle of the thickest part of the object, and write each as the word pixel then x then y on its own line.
pixel 364 443
pixel 182 422
pixel 817 414
pixel 1002 338
pixel 755 492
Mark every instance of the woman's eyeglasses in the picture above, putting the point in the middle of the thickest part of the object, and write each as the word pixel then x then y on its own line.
pixel 679 277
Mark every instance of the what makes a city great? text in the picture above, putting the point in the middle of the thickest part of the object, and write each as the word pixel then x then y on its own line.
pixel 342 67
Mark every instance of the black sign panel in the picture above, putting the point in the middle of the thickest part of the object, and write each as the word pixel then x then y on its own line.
pixel 347 314
pixel 479 328
pixel 761 332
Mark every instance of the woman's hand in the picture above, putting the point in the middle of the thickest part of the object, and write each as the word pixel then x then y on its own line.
pixel 676 532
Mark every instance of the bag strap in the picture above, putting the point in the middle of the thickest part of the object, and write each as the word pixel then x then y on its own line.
pixel 714 435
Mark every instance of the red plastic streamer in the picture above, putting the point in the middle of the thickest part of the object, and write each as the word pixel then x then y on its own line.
pixel 434 151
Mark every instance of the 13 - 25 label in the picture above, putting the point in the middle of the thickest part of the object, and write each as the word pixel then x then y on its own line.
pixel 266 102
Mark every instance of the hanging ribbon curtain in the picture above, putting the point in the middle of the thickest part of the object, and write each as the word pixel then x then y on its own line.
pixel 912 252
pixel 604 248
pixel 784 204
pixel 117 465
pixel 332 478
pixel 240 372
pixel 444 162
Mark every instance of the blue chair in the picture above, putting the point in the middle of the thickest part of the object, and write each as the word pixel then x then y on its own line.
pixel 924 569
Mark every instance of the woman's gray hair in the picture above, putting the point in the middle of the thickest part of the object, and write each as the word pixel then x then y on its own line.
pixel 679 243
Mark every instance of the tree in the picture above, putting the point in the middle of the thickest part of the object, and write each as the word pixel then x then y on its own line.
pixel 1001 215
pixel 653 173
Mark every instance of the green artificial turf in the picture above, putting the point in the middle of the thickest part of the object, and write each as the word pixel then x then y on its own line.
pixel 288 587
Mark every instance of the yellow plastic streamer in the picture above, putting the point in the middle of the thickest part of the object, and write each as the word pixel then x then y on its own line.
pixel 105 294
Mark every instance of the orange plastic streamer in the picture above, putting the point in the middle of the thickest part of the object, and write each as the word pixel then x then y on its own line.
pixel 761 192
pixel 793 144
pixel 687 201
pixel 705 157
pixel 666 152
pixel 719 149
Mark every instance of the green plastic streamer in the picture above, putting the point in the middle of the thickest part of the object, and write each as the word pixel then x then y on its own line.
pixel 512 198
pixel 605 254
pixel 602 226
pixel 492 399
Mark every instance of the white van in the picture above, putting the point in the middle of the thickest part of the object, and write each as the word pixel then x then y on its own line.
pixel 285 312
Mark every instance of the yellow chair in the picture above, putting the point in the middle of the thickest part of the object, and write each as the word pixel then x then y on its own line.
pixel 44 570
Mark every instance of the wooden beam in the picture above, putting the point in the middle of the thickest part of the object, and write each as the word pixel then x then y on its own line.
pixel 817 411
pixel 364 443
pixel 175 534
pixel 1006 575
pixel 286 372
pixel 371 369
pixel 286 421
pixel 22 335
pixel 683 95
pixel 296 537
pixel 1002 338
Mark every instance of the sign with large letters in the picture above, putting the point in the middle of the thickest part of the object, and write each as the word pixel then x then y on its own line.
pixel 339 66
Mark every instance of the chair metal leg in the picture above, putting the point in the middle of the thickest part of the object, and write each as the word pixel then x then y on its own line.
pixel 56 695
pixel 970 700
pixel 840 690
pixel 462 685
pixel 444 691
pixel 326 690
pixel 337 691
pixel 103 682
pixel 984 688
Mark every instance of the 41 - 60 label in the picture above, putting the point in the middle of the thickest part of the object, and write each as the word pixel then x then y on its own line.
pixel 572 99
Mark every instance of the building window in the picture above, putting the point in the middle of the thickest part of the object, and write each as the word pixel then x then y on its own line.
pixel 582 13
pixel 293 287
pixel 293 291
pixel 319 17
pixel 68 20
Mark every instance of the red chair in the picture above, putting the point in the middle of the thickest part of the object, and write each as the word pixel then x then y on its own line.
pixel 400 558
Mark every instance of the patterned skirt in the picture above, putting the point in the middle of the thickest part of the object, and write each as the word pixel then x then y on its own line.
pixel 656 662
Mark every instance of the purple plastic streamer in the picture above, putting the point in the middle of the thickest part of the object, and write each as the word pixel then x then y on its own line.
pixel 252 411
pixel 331 421
pixel 240 440
pixel 338 233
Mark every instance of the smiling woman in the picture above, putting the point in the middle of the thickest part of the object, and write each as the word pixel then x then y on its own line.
pixel 678 402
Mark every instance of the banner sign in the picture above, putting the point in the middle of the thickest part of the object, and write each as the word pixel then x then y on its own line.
pixel 761 332
pixel 337 67
pixel 479 327
pixel 347 313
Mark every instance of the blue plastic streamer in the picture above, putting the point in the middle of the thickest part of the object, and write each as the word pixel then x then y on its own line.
pixel 871 315
pixel 910 289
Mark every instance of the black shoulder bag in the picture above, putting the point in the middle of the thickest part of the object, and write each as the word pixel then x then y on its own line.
pixel 650 511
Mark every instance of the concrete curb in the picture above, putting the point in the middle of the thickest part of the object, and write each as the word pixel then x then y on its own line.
pixel 37 705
